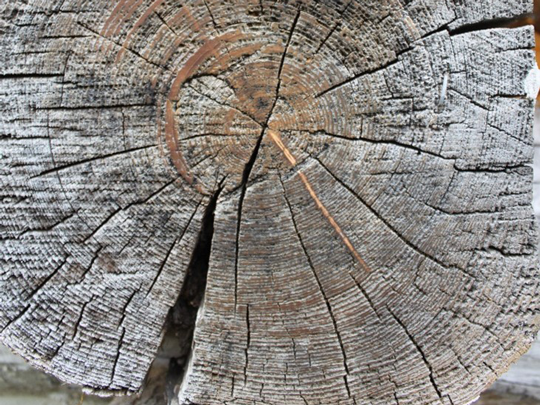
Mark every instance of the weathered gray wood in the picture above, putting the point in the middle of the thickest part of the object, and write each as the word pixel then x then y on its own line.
pixel 523 378
pixel 353 175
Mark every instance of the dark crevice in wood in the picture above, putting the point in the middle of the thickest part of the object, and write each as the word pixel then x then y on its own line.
pixel 505 253
pixel 118 354
pixel 75 36
pixel 124 311
pixel 165 24
pixel 366 296
pixel 243 186
pixel 356 77
pixel 94 258
pixel 412 148
pixel 210 135
pixel 152 195
pixel 182 317
pixel 15 76
pixel 33 294
pixel 327 37
pixel 220 103
pixel 490 24
pixel 12 321
pixel 443 211
pixel 102 224
pixel 22 138
pixel 64 81
pixel 388 225
pixel 205 158
pixel 171 248
pixel 80 318
pixel 51 227
pixel 470 99
pixel 334 28
pixel 53 159
pixel 94 107
pixel 137 54
pixel 93 159
pixel 211 15
pixel 248 342
pixel 494 169
pixel 291 32
pixel 46 280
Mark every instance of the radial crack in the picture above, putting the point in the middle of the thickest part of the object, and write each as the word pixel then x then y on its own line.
pixel 321 288
pixel 222 103
pixel 491 24
pixel 93 159
pixel 366 296
pixel 211 16
pixel 392 142
pixel 420 351
pixel 17 76
pixel 30 297
pixel 388 225
pixel 356 77
pixel 118 354
pixel 248 341
pixel 291 32
pixel 171 248
pixel 182 317
pixel 334 28
pixel 138 55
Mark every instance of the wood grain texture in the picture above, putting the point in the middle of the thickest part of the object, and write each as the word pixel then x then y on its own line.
pixel 352 176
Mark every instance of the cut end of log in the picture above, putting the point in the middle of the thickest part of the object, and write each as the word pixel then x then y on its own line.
pixel 312 201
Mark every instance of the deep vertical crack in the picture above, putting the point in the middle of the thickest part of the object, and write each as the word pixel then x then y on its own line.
pixel 182 317
pixel 180 331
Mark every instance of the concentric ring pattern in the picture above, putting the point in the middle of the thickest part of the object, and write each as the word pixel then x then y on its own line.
pixel 367 163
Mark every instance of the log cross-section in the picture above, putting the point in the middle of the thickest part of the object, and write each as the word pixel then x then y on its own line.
pixel 329 201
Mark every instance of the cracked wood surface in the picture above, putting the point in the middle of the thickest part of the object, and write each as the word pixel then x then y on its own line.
pixel 334 196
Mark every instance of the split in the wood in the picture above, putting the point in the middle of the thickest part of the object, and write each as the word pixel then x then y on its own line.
pixel 483 25
pixel 180 328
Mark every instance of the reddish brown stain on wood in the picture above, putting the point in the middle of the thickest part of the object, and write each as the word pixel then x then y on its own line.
pixel 205 52
pixel 142 19
pixel 171 137
pixel 276 138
